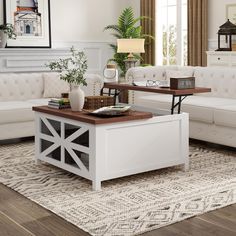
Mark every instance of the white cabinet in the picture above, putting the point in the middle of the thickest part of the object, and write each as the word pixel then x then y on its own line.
pixel 221 58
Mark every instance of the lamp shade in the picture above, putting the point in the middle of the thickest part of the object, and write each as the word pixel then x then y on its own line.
pixel 130 45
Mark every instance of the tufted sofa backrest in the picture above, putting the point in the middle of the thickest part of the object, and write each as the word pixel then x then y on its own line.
pixel 25 86
pixel 222 81
pixel 148 72
pixel 21 86
pixel 94 85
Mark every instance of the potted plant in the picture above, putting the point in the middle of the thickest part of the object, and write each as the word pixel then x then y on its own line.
pixel 72 70
pixel 6 31
pixel 127 27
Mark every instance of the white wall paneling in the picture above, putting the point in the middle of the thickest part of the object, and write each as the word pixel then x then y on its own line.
pixel 18 60
pixel 212 44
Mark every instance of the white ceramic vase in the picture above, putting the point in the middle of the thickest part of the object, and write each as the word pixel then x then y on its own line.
pixel 3 39
pixel 76 97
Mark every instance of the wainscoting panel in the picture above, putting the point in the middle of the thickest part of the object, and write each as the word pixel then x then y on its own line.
pixel 213 44
pixel 94 56
pixel 28 60
pixel 23 60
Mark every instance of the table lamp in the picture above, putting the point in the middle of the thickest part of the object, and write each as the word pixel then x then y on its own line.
pixel 130 46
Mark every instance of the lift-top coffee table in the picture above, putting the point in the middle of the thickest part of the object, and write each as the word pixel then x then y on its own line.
pixel 99 149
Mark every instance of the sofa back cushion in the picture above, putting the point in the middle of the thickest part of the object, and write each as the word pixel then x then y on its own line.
pixel 94 85
pixel 144 74
pixel 20 86
pixel 180 72
pixel 148 73
pixel 222 81
pixel 54 86
pixel 28 86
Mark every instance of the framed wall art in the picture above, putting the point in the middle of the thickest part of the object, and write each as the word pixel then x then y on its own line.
pixel 231 12
pixel 31 22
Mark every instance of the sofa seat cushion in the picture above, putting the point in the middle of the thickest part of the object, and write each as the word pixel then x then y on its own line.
pixel 199 108
pixel 225 115
pixel 202 108
pixel 15 111
pixel 195 106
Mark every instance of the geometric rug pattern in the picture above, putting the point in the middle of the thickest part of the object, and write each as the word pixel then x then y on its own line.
pixel 126 206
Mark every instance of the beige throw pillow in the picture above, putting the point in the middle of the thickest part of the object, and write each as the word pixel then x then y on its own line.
pixel 54 86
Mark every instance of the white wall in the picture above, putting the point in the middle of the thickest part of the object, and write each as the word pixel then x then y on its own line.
pixel 81 23
pixel 217 17
pixel 84 20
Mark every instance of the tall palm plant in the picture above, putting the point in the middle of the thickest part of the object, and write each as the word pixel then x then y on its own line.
pixel 127 27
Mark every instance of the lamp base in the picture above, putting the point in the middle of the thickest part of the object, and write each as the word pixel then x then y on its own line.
pixel 130 62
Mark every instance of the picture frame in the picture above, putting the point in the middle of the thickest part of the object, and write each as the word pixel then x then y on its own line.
pixel 231 13
pixel 32 23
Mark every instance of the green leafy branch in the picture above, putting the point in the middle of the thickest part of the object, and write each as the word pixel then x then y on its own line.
pixel 71 69
pixel 9 30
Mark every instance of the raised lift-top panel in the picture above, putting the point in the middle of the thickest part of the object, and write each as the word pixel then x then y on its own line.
pixel 84 117
pixel 126 86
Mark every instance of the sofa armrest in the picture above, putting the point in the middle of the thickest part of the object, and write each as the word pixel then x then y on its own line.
pixel 94 85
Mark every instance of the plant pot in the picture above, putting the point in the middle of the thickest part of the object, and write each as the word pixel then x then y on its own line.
pixel 76 97
pixel 3 39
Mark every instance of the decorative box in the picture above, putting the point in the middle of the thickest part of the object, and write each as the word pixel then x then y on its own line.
pixel 96 102
pixel 182 83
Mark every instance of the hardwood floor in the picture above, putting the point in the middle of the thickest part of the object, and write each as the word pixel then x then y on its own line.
pixel 22 217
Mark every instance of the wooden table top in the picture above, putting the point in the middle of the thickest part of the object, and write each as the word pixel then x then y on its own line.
pixel 126 86
pixel 83 116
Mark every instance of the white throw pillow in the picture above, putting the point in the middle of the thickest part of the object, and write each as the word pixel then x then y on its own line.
pixel 54 86
pixel 178 73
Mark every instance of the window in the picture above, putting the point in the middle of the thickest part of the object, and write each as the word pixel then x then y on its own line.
pixel 171 34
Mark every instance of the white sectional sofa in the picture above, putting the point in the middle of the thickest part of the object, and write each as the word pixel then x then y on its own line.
pixel 212 115
pixel 19 92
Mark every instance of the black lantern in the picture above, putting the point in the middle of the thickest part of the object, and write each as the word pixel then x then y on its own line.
pixel 227 30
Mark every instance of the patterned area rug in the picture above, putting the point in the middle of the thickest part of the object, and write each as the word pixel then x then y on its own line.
pixel 125 206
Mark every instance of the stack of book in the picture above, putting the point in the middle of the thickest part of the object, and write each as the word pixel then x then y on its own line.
pixel 59 103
